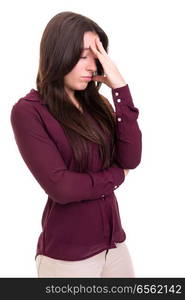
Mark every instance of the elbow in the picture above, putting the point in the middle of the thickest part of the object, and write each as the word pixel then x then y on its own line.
pixel 130 156
pixel 135 155
pixel 132 164
pixel 131 159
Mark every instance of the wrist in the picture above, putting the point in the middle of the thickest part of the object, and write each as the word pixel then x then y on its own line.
pixel 118 85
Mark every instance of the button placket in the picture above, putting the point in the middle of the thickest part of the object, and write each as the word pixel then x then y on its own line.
pixel 104 217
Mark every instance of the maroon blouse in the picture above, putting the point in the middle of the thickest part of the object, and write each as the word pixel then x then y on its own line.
pixel 81 217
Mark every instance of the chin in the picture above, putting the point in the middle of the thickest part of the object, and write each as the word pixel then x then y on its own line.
pixel 83 87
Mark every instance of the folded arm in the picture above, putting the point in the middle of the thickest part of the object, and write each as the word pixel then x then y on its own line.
pixel 46 164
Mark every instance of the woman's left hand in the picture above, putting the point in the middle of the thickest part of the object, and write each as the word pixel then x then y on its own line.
pixel 112 77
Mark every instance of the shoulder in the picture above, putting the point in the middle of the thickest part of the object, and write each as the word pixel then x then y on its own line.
pixel 25 112
pixel 23 108
pixel 28 104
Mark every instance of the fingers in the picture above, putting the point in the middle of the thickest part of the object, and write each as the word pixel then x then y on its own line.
pixel 100 46
pixel 126 171
pixel 96 52
pixel 99 78
pixel 98 49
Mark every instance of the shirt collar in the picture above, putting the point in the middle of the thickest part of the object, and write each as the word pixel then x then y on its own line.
pixel 34 96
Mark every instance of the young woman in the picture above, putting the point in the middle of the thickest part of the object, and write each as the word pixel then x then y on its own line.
pixel 79 149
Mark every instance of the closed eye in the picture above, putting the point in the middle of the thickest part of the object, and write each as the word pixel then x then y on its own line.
pixel 83 57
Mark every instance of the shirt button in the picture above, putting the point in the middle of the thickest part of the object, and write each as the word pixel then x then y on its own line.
pixel 103 196
pixel 116 93
pixel 118 100
pixel 119 119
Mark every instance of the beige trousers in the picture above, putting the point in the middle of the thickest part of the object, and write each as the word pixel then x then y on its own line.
pixel 115 262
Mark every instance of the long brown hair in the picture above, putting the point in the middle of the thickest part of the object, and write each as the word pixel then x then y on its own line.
pixel 60 49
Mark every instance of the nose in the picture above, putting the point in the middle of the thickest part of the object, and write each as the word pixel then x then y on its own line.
pixel 91 65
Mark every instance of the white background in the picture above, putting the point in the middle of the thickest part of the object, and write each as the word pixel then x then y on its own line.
pixel 146 41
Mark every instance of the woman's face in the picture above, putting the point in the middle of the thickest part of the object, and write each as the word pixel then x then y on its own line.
pixel 86 66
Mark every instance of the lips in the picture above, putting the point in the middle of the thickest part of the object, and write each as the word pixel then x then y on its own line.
pixel 88 78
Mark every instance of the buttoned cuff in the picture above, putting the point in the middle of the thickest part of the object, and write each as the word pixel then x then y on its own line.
pixel 106 181
pixel 122 94
pixel 124 106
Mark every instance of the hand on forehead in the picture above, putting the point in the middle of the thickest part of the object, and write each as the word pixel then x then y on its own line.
pixel 89 41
